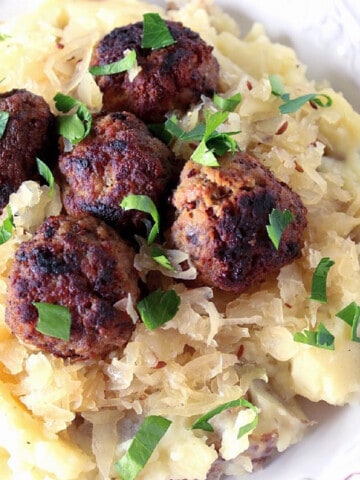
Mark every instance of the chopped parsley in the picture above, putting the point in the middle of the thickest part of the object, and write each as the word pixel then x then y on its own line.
pixel 47 174
pixel 159 256
pixel 278 221
pixel 4 118
pixel 143 203
pixel 203 422
pixel 292 105
pixel 318 285
pixel 227 104
pixel 158 308
pixel 6 229
pixel 54 320
pixel 123 65
pixel 155 32
pixel 212 143
pixel 76 126
pixel 142 446
pixel 321 337
pixel 351 315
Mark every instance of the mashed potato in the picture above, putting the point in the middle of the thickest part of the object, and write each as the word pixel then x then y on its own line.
pixel 72 421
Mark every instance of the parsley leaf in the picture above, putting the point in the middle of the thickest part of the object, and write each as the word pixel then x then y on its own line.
pixel 203 422
pixel 278 221
pixel 318 285
pixel 54 320
pixel 146 205
pixel 6 229
pixel 142 446
pixel 292 105
pixel 158 308
pixel 351 315
pixel 47 174
pixel 321 337
pixel 227 104
pixel 4 118
pixel 74 127
pixel 213 143
pixel 155 32
pixel 123 65
pixel 159 256
pixel 296 103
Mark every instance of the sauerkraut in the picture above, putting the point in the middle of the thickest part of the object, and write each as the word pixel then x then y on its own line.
pixel 73 421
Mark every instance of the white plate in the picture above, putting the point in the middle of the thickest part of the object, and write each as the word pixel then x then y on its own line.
pixel 326 36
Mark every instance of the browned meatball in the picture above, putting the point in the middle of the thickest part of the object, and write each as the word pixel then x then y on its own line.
pixel 171 78
pixel 30 133
pixel 119 157
pixel 221 221
pixel 82 265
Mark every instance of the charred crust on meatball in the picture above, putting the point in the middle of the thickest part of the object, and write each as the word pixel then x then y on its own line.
pixel 82 265
pixel 171 78
pixel 30 132
pixel 221 218
pixel 119 157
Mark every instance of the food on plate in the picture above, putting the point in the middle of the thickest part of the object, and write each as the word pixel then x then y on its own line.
pixel 169 78
pixel 29 133
pixel 83 266
pixel 119 157
pixel 152 370
pixel 221 218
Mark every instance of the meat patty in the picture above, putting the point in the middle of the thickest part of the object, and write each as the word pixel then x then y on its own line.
pixel 171 78
pixel 30 133
pixel 82 265
pixel 221 221
pixel 119 157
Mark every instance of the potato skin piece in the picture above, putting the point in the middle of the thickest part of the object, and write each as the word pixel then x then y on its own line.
pixel 30 133
pixel 221 218
pixel 80 264
pixel 119 157
pixel 171 78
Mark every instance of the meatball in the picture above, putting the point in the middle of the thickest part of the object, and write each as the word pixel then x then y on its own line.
pixel 221 221
pixel 119 157
pixel 30 133
pixel 171 78
pixel 82 265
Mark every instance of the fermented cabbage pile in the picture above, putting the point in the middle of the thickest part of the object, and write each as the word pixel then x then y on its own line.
pixel 72 421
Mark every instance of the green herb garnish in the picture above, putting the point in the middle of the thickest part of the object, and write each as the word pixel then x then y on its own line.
pixel 159 256
pixel 278 221
pixel 4 118
pixel 351 315
pixel 296 103
pixel 321 338
pixel 120 66
pixel 318 286
pixel 47 174
pixel 277 87
pixel 54 320
pixel 155 32
pixel 142 446
pixel 6 229
pixel 211 141
pixel 158 308
pixel 292 105
pixel 227 104
pixel 143 203
pixel 74 127
pixel 203 422
pixel 214 143
pixel 4 36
